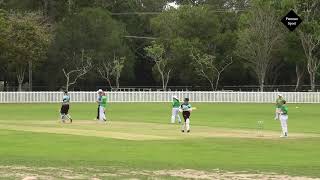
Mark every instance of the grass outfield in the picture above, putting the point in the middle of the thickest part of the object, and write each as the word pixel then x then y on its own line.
pixel 139 142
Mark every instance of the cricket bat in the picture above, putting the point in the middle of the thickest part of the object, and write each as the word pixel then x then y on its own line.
pixel 193 108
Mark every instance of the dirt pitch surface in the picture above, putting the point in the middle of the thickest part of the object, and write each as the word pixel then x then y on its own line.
pixel 140 131
pixel 51 173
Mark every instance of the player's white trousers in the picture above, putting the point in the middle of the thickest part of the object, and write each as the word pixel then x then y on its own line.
pixel 175 114
pixel 278 114
pixel 284 123
pixel 186 125
pixel 102 115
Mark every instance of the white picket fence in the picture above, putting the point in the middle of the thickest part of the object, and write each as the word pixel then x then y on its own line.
pixel 194 96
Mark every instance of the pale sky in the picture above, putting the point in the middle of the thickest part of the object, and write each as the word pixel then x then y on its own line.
pixel 173 4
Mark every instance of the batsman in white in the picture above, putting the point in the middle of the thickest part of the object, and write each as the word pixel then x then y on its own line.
pixel 175 110
pixel 100 91
pixel 186 112
pixel 64 111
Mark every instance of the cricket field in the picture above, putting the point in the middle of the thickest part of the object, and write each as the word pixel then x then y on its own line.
pixel 138 142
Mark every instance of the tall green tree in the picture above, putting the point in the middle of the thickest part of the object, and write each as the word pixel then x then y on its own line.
pixel 176 31
pixel 258 38
pixel 291 66
pixel 27 42
pixel 309 34
pixel 293 56
pixel 195 27
pixel 92 32
pixel 53 11
pixel 138 27
pixel 162 63
pixel 4 31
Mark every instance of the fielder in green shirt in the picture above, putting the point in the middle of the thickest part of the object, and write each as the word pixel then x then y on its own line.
pixel 104 101
pixel 284 109
pixel 284 119
pixel 102 107
pixel 175 103
pixel 175 109
pixel 279 102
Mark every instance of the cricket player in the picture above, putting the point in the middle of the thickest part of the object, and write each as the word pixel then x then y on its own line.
pixel 186 111
pixel 64 111
pixel 99 101
pixel 175 110
pixel 102 107
pixel 279 103
pixel 284 119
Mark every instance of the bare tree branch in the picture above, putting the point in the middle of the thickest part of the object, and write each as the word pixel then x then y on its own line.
pixel 158 54
pixel 207 67
pixel 21 69
pixel 81 69
pixel 221 69
pixel 105 70
pixel 111 70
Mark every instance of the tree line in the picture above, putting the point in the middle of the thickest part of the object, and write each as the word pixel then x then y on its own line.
pixel 70 44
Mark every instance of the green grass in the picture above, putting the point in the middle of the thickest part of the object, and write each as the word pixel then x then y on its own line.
pixel 293 156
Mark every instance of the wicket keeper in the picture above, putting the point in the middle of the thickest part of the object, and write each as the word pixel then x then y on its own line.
pixel 186 112
pixel 175 110
pixel 279 102
pixel 64 111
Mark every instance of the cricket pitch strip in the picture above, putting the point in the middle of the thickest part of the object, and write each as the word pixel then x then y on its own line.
pixel 139 131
